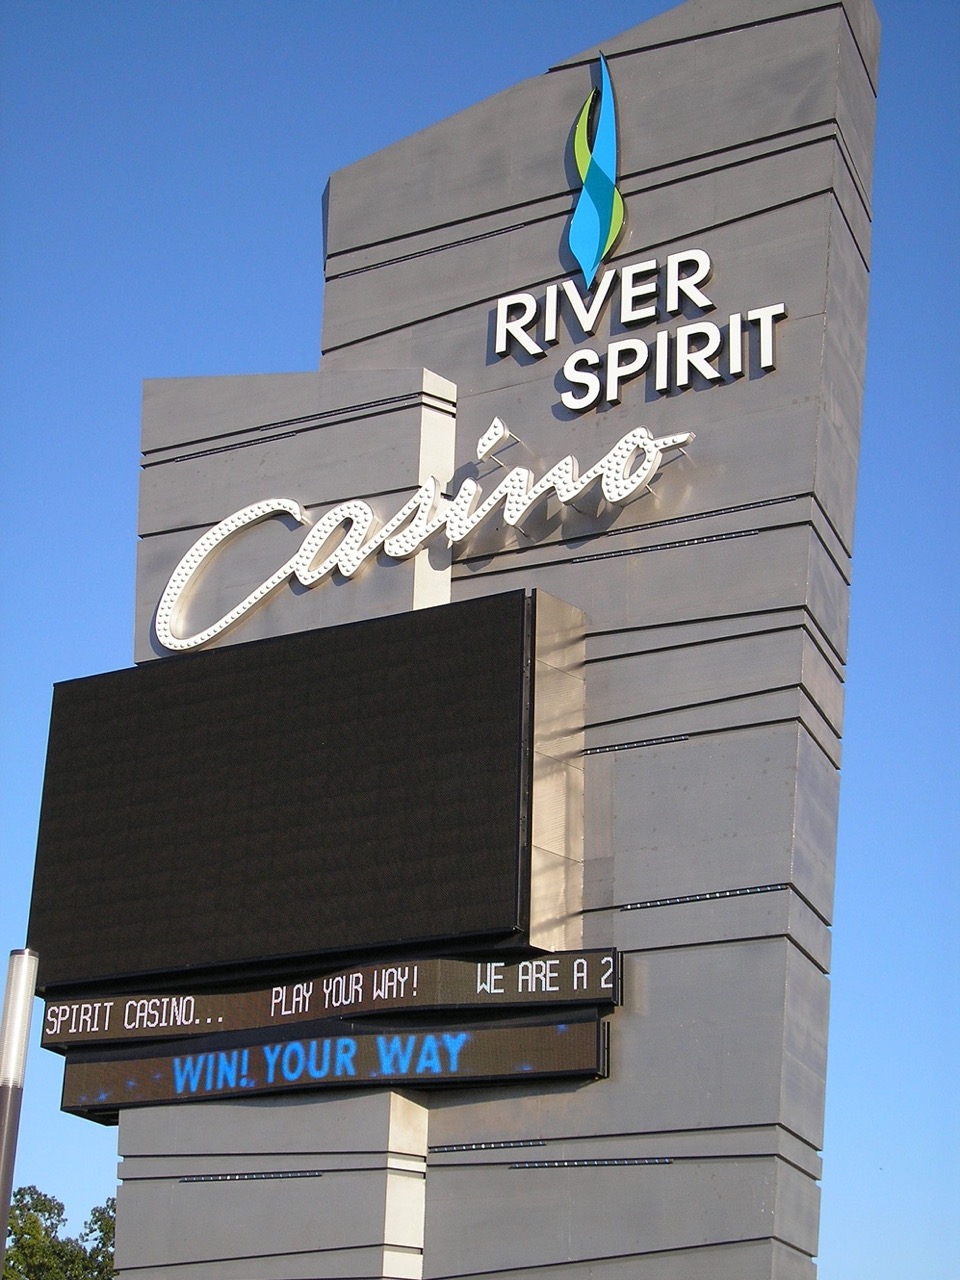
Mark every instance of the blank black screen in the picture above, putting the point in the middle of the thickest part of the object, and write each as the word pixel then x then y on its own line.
pixel 338 790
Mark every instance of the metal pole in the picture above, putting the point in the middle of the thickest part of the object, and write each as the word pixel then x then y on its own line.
pixel 14 1035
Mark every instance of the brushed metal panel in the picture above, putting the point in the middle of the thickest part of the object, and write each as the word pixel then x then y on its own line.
pixel 718 813
pixel 236 1219
pixel 675 582
pixel 336 1264
pixel 181 412
pixel 640 684
pixel 765 79
pixel 777 913
pixel 499 1220
pixel 314 465
pixel 754 1260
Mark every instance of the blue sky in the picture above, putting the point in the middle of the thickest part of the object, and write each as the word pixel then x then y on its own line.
pixel 160 194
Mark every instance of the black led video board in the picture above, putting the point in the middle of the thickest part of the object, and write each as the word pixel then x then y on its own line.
pixel 236 812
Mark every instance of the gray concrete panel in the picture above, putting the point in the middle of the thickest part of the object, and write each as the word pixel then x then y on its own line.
pixel 699 1144
pixel 250 1218
pixel 640 639
pixel 805 1048
pixel 780 707
pixel 857 99
pixel 317 466
pixel 774 526
pixel 665 223
pixel 774 422
pixel 714 1012
pixel 844 358
pixel 379 298
pixel 627 539
pixel 759 83
pixel 551 1216
pixel 182 411
pixel 336 1264
pixel 735 565
pixel 349 1122
pixel 816 806
pixel 820 667
pixel 231 1201
pixel 753 1260
pixel 678 579
pixel 176 410
pixel 829 596
pixel 712 476
pixel 699 18
pixel 712 814
pixel 743 915
pixel 668 679
pixel 721 199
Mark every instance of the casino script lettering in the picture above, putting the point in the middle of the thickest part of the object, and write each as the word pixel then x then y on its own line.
pixel 419 519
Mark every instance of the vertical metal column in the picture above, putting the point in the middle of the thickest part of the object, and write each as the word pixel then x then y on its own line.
pixel 17 1007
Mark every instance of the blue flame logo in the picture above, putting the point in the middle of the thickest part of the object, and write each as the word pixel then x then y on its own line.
pixel 598 216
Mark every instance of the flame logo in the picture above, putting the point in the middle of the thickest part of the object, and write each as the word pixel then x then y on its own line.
pixel 598 216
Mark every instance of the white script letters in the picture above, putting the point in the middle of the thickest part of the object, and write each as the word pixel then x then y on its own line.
pixel 424 515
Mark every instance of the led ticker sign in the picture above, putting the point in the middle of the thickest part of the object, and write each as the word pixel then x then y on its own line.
pixel 561 978
pixel 348 1056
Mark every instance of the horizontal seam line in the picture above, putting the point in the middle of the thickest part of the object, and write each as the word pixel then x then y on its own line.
pixel 567 192
pixel 690 233
pixel 349 413
pixel 701 35
pixel 625 185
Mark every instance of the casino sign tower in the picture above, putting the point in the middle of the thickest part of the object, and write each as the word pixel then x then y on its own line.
pixel 446 891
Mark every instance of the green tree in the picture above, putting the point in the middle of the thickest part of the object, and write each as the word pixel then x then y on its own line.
pixel 36 1250
pixel 97 1237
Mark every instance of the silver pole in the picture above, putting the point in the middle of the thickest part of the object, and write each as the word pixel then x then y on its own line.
pixel 14 1036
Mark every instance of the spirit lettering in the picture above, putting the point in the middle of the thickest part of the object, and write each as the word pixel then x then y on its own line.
pixel 89 1016
pixel 524 323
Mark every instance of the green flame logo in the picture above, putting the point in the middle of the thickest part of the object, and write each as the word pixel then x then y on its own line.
pixel 598 216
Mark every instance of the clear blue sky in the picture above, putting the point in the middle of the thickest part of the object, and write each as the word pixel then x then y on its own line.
pixel 162 170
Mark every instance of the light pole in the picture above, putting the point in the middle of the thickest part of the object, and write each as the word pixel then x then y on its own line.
pixel 14 1034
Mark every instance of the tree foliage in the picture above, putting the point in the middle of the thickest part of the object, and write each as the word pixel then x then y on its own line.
pixel 36 1250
